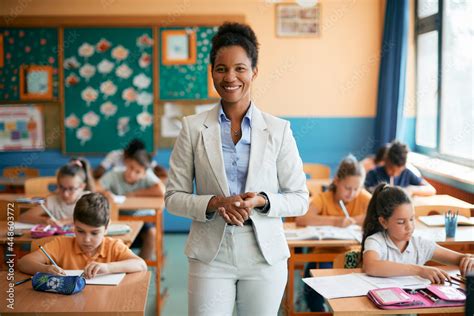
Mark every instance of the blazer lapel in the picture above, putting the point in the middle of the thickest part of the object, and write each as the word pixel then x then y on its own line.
pixel 213 147
pixel 258 141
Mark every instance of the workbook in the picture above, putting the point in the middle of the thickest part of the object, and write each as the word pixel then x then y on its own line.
pixel 438 220
pixel 352 232
pixel 106 279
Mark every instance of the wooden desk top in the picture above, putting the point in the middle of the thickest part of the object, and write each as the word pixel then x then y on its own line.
pixel 127 298
pixel 441 199
pixel 128 238
pixel 136 203
pixel 361 305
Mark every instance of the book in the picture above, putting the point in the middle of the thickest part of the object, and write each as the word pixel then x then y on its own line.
pixel 438 220
pixel 352 232
pixel 105 279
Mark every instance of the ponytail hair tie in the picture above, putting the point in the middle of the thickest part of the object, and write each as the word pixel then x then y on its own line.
pixel 76 162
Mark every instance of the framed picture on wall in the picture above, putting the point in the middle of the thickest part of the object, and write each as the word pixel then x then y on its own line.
pixel 178 47
pixel 21 128
pixel 293 20
pixel 36 82
pixel 211 90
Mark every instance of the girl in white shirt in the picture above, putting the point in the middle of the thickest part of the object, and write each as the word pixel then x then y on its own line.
pixel 389 247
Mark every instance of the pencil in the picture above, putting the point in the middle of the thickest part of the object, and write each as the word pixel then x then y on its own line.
pixel 45 209
pixel 22 281
pixel 49 257
pixel 344 210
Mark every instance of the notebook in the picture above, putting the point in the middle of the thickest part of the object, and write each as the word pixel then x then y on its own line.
pixel 352 232
pixel 438 220
pixel 106 279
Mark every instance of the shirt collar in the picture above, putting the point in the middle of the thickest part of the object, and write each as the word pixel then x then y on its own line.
pixel 100 253
pixel 390 244
pixel 247 117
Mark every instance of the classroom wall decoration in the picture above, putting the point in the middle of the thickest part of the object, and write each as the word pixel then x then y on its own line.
pixel 21 128
pixel 184 80
pixel 26 47
pixel 108 75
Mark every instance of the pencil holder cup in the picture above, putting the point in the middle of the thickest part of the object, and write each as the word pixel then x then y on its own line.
pixel 450 224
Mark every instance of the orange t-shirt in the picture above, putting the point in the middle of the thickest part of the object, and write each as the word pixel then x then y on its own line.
pixel 69 256
pixel 326 206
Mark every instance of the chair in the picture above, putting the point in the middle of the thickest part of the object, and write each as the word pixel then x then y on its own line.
pixel 317 171
pixel 348 260
pixel 39 186
pixel 15 172
pixel 35 243
pixel 427 210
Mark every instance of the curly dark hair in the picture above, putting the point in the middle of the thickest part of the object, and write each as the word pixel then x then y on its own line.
pixel 231 34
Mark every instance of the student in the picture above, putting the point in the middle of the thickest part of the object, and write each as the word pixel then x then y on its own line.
pixel 347 186
pixel 395 172
pixel 74 180
pixel 373 161
pixel 116 158
pixel 136 180
pixel 89 250
pixel 389 247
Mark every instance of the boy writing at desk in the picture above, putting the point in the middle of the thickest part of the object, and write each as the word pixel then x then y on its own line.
pixel 89 250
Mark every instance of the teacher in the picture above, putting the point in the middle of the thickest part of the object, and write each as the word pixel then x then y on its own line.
pixel 247 174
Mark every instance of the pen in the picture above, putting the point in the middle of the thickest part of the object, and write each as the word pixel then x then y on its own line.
pixel 22 281
pixel 45 209
pixel 433 299
pixel 344 210
pixel 47 255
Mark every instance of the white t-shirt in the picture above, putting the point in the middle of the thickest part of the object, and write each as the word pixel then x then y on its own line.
pixel 114 182
pixel 418 251
pixel 59 209
pixel 114 159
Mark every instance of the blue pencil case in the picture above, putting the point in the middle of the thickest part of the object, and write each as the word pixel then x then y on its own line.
pixel 60 284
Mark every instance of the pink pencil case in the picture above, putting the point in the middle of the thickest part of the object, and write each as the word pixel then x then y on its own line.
pixel 431 297
pixel 40 230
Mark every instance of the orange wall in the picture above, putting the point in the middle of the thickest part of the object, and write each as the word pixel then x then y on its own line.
pixel 334 75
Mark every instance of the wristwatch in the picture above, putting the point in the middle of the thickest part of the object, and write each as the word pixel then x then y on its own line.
pixel 266 207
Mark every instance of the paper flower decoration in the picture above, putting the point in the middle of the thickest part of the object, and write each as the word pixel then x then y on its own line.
pixel 84 134
pixel 144 119
pixel 87 71
pixel 89 95
pixel 122 126
pixel 108 109
pixel 141 81
pixel 123 71
pixel 72 121
pixel 144 98
pixel 72 80
pixel 108 88
pixel 119 53
pixel 145 60
pixel 71 63
pixel 105 66
pixel 144 41
pixel 91 119
pixel 129 95
pixel 103 45
pixel 86 50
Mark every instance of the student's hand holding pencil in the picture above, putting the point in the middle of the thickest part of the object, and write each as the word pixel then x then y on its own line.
pixel 466 264
pixel 346 221
pixel 95 268
pixel 435 275
pixel 52 269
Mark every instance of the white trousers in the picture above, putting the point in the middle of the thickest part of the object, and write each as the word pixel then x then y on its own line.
pixel 239 274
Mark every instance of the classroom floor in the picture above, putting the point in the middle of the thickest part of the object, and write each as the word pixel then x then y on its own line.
pixel 176 281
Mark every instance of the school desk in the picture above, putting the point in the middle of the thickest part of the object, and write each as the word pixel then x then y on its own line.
pixel 441 199
pixel 329 249
pixel 361 305
pixel 127 299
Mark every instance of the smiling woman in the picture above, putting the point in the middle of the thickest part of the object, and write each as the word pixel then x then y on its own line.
pixel 238 195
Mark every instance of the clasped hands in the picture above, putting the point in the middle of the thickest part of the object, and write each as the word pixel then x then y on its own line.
pixel 236 209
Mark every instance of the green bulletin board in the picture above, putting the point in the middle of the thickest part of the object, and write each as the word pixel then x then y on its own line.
pixel 108 74
pixel 188 82
pixel 26 46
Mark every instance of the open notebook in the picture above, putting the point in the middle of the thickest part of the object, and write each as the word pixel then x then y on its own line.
pixel 438 220
pixel 352 232
pixel 106 279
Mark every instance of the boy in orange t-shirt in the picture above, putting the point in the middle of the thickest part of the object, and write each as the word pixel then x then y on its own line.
pixel 89 250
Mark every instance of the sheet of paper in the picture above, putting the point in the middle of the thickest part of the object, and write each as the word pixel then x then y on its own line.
pixel 170 126
pixel 119 199
pixel 172 110
pixel 405 282
pixel 325 232
pixel 107 279
pixel 19 225
pixel 337 286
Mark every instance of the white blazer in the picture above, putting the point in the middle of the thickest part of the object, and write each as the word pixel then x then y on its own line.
pixel 275 168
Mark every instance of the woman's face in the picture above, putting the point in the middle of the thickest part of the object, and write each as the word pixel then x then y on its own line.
pixel 348 188
pixel 233 74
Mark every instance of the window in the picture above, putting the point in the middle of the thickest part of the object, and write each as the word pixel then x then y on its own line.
pixel 444 79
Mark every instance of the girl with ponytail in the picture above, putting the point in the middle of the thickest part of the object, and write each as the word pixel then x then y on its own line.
pixel 389 247
pixel 74 179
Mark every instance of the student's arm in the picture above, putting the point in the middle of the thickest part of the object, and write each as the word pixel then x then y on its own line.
pixel 312 218
pixel 99 172
pixel 157 191
pixel 34 215
pixel 37 262
pixel 372 265
pixel 424 189
pixel 449 257
pixel 127 266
